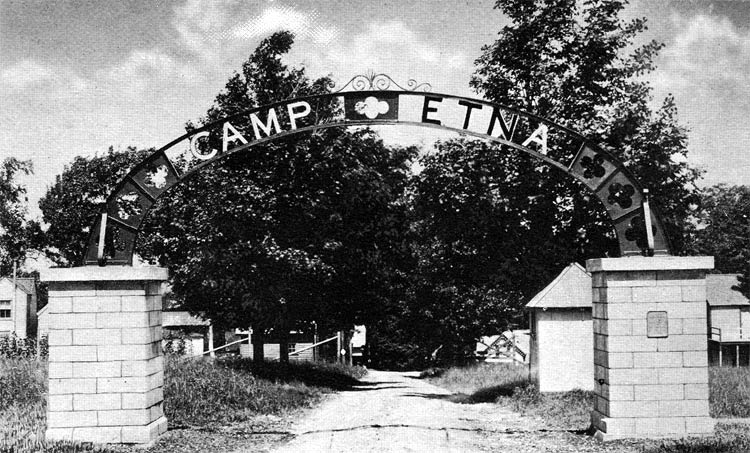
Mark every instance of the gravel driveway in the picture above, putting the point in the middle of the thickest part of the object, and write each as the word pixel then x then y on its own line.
pixel 396 412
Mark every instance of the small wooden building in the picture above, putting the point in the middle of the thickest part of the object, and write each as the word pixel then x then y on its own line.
pixel 18 307
pixel 562 338
pixel 729 322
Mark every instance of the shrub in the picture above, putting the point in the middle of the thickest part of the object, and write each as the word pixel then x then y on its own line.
pixel 13 347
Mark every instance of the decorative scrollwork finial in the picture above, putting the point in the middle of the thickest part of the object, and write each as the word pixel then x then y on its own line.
pixel 381 82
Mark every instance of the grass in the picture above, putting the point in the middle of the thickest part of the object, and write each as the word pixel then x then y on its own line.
pixel 730 392
pixel 509 385
pixel 217 404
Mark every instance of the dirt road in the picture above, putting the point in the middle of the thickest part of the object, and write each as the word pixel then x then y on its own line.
pixel 396 412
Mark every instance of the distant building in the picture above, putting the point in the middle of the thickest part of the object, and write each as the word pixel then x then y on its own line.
pixel 198 331
pixel 508 347
pixel 729 322
pixel 562 338
pixel 18 307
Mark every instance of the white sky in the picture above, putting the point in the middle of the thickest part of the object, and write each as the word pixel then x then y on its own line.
pixel 77 77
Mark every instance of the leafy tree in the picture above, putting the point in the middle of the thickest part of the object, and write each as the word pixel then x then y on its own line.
pixel 298 229
pixel 568 63
pixel 724 230
pixel 16 235
pixel 73 202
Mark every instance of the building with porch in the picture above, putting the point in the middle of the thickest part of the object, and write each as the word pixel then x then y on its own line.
pixel 18 307
pixel 729 322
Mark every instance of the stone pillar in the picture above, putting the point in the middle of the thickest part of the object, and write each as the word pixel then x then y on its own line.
pixel 106 370
pixel 650 347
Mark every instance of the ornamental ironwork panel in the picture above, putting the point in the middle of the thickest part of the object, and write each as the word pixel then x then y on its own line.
pixel 376 99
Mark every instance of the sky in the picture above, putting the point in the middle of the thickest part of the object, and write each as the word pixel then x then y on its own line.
pixel 77 77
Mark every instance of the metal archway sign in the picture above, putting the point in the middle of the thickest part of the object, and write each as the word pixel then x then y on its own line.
pixel 377 100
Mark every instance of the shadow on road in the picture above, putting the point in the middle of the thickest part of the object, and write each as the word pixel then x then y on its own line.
pixel 485 395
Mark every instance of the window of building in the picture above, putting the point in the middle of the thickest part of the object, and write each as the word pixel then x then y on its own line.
pixel 4 309
pixel 292 347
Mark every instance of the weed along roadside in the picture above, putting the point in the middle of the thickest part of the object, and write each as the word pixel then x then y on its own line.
pixel 212 404
pixel 508 385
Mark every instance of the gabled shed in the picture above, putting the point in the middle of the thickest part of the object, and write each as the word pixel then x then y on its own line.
pixel 562 338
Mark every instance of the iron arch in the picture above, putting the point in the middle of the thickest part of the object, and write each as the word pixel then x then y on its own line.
pixel 370 100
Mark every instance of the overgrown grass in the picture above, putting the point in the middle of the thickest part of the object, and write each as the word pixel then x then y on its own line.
pixel 509 385
pixel 198 393
pixel 729 392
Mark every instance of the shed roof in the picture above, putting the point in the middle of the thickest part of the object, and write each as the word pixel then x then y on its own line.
pixel 719 291
pixel 24 284
pixel 570 289
pixel 181 318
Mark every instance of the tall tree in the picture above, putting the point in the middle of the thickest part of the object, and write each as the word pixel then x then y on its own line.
pixel 724 231
pixel 298 229
pixel 577 65
pixel 74 201
pixel 16 234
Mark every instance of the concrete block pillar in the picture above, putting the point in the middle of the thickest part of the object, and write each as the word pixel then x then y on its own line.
pixel 106 369
pixel 650 347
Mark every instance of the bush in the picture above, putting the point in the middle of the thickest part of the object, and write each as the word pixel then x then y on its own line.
pixel 15 348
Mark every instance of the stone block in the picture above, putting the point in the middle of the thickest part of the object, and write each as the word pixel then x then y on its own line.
pixel 71 320
pixel 59 305
pixel 620 360
pixel 657 359
pixel 121 288
pixel 154 288
pixel 124 417
pixel 600 311
pixel 131 384
pixel 72 353
pixel 657 294
pixel 620 327
pixel 620 392
pixel 96 336
pixel 695 358
pixel 680 277
pixel 157 302
pixel 138 335
pixel 96 369
pixel 700 425
pixel 70 289
pixel 628 311
pixel 96 304
pixel 632 344
pixel 683 376
pixel 62 337
pixel 71 419
pixel 122 320
pixel 144 434
pixel 683 343
pixel 616 428
pixel 156 411
pixel 601 342
pixel 136 303
pixel 601 405
pixel 60 403
pixel 126 352
pixel 695 326
pixel 640 326
pixel 694 293
pixel 142 367
pixel 659 392
pixel 696 391
pixel 58 434
pixel 101 401
pixel 71 386
pixel 659 426
pixel 98 434
pixel 59 370
pixel 617 295
pixel 154 318
pixel 631 279
pixel 633 376
pixel 675 326
pixel 684 408
pixel 142 400
pixel 633 409
pixel 685 310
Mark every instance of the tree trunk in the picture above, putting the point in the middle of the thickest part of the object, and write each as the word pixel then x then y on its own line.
pixel 284 346
pixel 258 345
